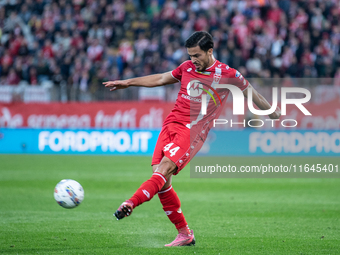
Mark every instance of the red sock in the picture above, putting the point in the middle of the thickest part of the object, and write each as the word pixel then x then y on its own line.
pixel 172 208
pixel 148 189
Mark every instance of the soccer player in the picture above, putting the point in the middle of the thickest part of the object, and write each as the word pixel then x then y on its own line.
pixel 185 128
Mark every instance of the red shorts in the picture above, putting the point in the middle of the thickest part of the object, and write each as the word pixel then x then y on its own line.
pixel 175 143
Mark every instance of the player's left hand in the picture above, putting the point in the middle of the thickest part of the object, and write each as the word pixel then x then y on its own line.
pixel 276 114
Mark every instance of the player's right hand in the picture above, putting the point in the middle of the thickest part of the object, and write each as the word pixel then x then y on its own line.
pixel 114 85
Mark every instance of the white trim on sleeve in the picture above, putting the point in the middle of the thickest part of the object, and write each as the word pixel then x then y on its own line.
pixel 173 76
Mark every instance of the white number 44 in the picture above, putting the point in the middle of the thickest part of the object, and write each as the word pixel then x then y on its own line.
pixel 172 151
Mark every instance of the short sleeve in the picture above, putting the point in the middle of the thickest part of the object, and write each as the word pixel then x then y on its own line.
pixel 177 73
pixel 240 81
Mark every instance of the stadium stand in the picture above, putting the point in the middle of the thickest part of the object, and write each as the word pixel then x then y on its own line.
pixel 71 47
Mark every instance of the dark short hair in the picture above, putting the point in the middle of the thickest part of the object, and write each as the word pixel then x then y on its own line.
pixel 202 39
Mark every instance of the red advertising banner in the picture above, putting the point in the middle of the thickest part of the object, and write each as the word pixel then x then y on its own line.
pixel 144 115
pixel 84 115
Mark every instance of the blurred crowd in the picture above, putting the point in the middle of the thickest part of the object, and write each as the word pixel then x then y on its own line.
pixel 78 44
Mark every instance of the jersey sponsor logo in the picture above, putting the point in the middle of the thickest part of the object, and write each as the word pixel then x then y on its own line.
pixel 199 87
pixel 194 88
pixel 191 98
pixel 146 193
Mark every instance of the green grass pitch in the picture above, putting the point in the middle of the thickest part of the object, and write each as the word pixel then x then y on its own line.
pixel 229 216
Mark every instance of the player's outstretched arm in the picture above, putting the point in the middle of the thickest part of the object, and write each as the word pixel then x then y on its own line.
pixel 262 103
pixel 144 81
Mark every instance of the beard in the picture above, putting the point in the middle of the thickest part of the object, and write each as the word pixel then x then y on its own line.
pixel 201 67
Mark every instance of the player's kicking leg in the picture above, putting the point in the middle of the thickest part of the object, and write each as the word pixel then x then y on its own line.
pixel 169 199
pixel 124 210
pixel 148 189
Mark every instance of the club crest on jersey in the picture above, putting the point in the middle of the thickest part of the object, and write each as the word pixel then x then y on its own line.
pixel 237 74
pixel 217 77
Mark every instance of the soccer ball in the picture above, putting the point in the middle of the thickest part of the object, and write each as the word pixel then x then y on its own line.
pixel 68 193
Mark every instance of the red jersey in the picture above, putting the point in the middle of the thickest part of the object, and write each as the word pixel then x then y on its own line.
pixel 187 110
